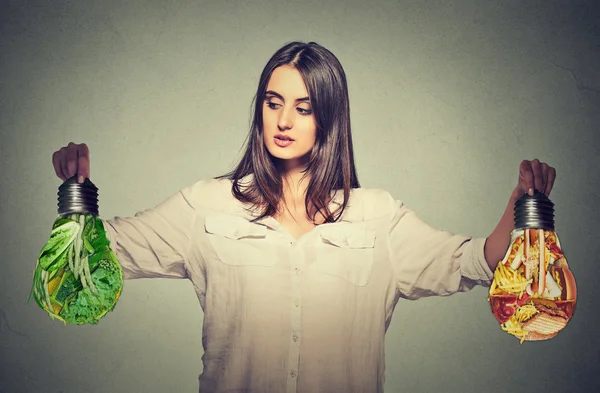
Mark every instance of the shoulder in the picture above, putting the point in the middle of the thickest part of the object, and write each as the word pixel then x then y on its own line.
pixel 214 194
pixel 374 202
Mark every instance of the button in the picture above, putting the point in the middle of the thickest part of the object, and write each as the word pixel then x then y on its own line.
pixel 297 271
pixel 297 303
pixel 295 338
pixel 292 374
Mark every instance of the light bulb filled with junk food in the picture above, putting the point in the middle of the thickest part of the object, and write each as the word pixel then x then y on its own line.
pixel 77 278
pixel 533 292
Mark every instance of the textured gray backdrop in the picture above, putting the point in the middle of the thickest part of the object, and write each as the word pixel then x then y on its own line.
pixel 447 99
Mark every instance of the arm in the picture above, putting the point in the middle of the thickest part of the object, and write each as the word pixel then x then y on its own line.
pixel 431 262
pixel 155 242
pixel 498 241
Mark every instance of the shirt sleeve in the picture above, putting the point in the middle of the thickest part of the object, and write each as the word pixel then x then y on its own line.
pixel 431 262
pixel 154 242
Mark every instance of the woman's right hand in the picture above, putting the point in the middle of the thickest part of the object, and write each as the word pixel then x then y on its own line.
pixel 71 160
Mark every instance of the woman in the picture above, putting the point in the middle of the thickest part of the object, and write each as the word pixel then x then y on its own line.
pixel 297 269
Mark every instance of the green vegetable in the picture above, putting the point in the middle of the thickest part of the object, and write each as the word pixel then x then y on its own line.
pixel 58 263
pixel 86 235
pixel 36 288
pixel 70 256
pixel 83 306
pixel 98 235
pixel 77 240
pixel 60 222
pixel 77 278
pixel 60 238
pixel 68 285
pixel 46 293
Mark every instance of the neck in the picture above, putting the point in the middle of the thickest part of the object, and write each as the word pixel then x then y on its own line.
pixel 294 187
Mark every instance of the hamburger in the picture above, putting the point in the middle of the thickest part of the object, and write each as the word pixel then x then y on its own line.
pixel 533 293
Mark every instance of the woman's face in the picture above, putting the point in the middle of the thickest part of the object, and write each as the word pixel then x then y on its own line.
pixel 289 126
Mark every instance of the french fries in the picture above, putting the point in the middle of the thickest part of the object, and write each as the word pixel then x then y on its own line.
pixel 530 275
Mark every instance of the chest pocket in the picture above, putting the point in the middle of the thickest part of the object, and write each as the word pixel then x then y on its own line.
pixel 239 242
pixel 346 253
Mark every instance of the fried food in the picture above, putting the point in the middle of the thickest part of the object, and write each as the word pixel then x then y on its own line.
pixel 533 293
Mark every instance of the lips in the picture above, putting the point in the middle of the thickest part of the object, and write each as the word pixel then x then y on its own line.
pixel 283 141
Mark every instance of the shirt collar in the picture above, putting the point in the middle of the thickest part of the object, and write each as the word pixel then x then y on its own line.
pixel 353 212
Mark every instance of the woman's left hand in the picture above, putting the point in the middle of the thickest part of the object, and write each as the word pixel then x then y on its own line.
pixel 535 175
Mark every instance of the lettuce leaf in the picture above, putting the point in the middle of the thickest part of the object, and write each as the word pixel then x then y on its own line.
pixel 82 306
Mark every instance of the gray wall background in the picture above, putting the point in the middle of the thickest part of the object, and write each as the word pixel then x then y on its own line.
pixel 447 99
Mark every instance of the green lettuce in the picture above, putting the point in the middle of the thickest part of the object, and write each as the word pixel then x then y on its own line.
pixel 77 278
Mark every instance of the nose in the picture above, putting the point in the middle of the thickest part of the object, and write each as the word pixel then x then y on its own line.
pixel 286 120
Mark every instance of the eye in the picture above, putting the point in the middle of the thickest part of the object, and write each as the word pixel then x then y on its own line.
pixel 272 105
pixel 304 111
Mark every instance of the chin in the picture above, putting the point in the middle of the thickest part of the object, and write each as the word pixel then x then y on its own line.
pixel 287 155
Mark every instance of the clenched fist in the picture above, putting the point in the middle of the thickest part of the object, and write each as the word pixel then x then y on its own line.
pixel 71 160
pixel 535 175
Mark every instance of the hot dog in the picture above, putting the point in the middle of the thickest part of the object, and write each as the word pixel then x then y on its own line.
pixel 535 300
pixel 541 262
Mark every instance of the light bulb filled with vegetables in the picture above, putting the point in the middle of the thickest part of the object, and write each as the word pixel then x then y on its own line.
pixel 77 278
pixel 533 293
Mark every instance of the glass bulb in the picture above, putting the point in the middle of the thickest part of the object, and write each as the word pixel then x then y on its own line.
pixel 77 278
pixel 533 292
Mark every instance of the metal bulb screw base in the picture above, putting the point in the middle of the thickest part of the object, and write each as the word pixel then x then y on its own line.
pixel 76 198
pixel 534 212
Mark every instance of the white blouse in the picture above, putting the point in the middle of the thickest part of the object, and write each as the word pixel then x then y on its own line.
pixel 287 315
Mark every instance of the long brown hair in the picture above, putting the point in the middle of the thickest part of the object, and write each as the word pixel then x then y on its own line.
pixel 331 160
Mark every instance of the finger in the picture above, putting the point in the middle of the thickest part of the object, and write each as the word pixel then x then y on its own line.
pixel 545 168
pixel 71 160
pixel 526 177
pixel 538 179
pixel 550 180
pixel 83 163
pixel 63 163
pixel 56 164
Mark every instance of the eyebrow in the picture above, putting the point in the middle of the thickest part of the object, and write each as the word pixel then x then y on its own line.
pixel 274 93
